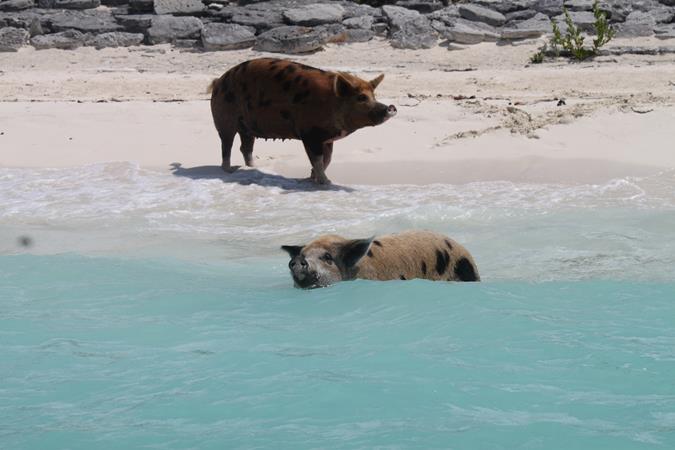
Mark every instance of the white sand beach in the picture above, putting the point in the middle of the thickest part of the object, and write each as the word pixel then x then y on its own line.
pixel 472 114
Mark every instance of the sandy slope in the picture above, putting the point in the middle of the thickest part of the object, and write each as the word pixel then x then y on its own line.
pixel 465 114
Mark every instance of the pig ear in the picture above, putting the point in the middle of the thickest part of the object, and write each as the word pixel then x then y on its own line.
pixel 375 82
pixel 293 250
pixel 343 87
pixel 352 251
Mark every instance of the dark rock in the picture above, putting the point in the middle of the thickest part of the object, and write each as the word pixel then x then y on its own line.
pixel 135 23
pixel 261 17
pixel 617 10
pixel 438 26
pixel 635 50
pixel 423 6
pixel 35 28
pixel 17 19
pixel 290 40
pixel 415 34
pixel 359 35
pixel 64 40
pixel 512 34
pixel 179 7
pixel 446 15
pixel 637 24
pixel 409 29
pixel 467 32
pixel 69 4
pixel 662 14
pixel 12 39
pixel 95 21
pixel 584 20
pixel 516 16
pixel 540 22
pixel 579 5
pixel 141 6
pixel 314 14
pixel 397 16
pixel 477 13
pixel 380 28
pixel 358 10
pixel 642 5
pixel 186 43
pixel 665 31
pixel 549 7
pixel 114 39
pixel 16 5
pixel 112 3
pixel 226 36
pixel 166 29
pixel 506 6
pixel 667 2
pixel 333 32
pixel 363 22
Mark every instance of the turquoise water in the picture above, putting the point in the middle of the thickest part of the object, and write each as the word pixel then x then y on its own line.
pixel 107 353
pixel 156 311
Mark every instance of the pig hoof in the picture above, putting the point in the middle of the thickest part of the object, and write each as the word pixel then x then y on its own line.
pixel 229 169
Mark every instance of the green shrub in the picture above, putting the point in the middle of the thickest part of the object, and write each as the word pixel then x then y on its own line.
pixel 572 43
pixel 603 30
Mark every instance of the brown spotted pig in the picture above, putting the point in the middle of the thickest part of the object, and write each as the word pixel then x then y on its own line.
pixel 281 99
pixel 404 256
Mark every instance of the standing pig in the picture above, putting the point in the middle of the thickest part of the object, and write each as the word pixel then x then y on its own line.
pixel 281 99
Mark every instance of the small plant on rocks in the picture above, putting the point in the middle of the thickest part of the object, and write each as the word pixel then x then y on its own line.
pixel 572 43
pixel 604 32
pixel 538 57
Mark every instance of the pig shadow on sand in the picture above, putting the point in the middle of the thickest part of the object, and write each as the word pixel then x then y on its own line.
pixel 249 176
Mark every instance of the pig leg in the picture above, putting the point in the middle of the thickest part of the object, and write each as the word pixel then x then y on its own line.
pixel 226 139
pixel 247 148
pixel 314 151
pixel 327 156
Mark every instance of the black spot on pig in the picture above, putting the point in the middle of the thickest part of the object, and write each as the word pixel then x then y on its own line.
pixel 442 260
pixel 465 270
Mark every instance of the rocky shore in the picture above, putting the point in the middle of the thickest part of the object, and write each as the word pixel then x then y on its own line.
pixel 302 26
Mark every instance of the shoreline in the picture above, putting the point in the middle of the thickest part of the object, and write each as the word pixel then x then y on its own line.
pixel 413 148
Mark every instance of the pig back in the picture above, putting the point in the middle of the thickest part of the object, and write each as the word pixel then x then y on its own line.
pixel 276 98
pixel 417 254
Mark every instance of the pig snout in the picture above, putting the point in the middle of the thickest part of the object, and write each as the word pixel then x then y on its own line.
pixel 303 276
pixel 381 113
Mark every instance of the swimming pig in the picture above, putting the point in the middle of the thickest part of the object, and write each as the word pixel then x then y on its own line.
pixel 404 256
pixel 281 99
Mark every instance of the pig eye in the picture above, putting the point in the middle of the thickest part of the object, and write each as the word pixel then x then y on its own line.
pixel 327 258
pixel 362 98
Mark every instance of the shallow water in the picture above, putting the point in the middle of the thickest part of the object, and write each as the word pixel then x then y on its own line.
pixel 156 311
pixel 623 229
